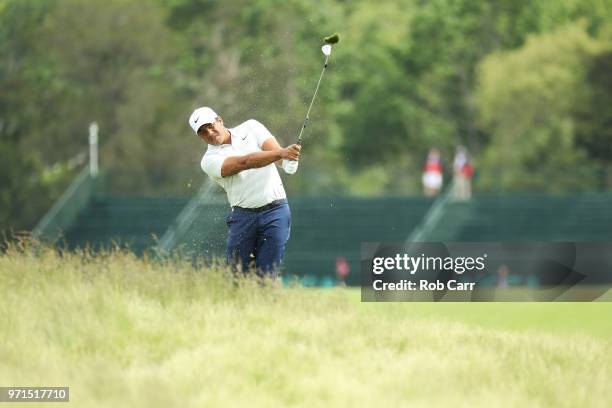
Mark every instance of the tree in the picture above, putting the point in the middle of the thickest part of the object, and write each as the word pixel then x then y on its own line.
pixel 526 100
pixel 24 195
pixel 118 69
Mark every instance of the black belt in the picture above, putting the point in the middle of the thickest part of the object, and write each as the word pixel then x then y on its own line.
pixel 273 204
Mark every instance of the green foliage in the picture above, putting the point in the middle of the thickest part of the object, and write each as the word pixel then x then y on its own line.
pixel 404 78
pixel 594 117
pixel 527 99
pixel 24 195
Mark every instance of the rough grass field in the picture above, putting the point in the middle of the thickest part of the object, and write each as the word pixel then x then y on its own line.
pixel 127 332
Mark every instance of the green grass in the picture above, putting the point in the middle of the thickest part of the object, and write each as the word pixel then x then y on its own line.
pixel 126 332
pixel 593 319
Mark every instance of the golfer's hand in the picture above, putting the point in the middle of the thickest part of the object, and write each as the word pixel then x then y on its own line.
pixel 290 166
pixel 291 152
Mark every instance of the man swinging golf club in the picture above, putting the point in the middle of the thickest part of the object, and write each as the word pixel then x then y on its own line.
pixel 241 160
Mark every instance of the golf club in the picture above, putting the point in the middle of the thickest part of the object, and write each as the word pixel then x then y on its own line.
pixel 326 49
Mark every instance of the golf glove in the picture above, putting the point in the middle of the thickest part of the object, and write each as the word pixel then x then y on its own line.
pixel 290 166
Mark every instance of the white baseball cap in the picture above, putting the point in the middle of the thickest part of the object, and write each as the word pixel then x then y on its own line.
pixel 201 116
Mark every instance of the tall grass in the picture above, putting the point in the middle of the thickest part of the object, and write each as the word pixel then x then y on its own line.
pixel 123 331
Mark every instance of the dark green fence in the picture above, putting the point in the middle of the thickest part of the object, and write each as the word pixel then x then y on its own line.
pixel 526 217
pixel 137 222
pixel 325 229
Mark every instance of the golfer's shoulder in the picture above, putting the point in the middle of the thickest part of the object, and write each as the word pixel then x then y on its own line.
pixel 211 157
pixel 212 161
pixel 257 129
pixel 251 129
pixel 246 126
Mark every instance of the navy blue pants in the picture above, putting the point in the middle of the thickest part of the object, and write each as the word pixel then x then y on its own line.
pixel 257 239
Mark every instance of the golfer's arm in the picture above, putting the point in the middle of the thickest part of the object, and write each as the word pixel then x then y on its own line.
pixel 271 144
pixel 236 164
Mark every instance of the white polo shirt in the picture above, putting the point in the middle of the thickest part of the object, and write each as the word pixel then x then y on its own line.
pixel 249 188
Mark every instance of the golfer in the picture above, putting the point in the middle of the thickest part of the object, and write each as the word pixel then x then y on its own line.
pixel 242 161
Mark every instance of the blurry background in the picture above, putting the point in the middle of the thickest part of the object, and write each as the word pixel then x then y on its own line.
pixel 525 86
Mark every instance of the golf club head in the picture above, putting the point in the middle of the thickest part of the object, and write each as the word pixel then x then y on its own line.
pixel 326 49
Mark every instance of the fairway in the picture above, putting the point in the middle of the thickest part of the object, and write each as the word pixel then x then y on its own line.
pixel 563 318
pixel 123 331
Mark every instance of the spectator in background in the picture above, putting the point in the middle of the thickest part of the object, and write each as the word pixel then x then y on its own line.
pixel 463 173
pixel 432 174
pixel 502 276
pixel 342 270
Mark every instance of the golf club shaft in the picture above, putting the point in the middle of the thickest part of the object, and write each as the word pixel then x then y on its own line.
pixel 299 141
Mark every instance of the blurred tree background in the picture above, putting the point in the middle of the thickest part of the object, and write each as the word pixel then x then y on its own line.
pixel 525 85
